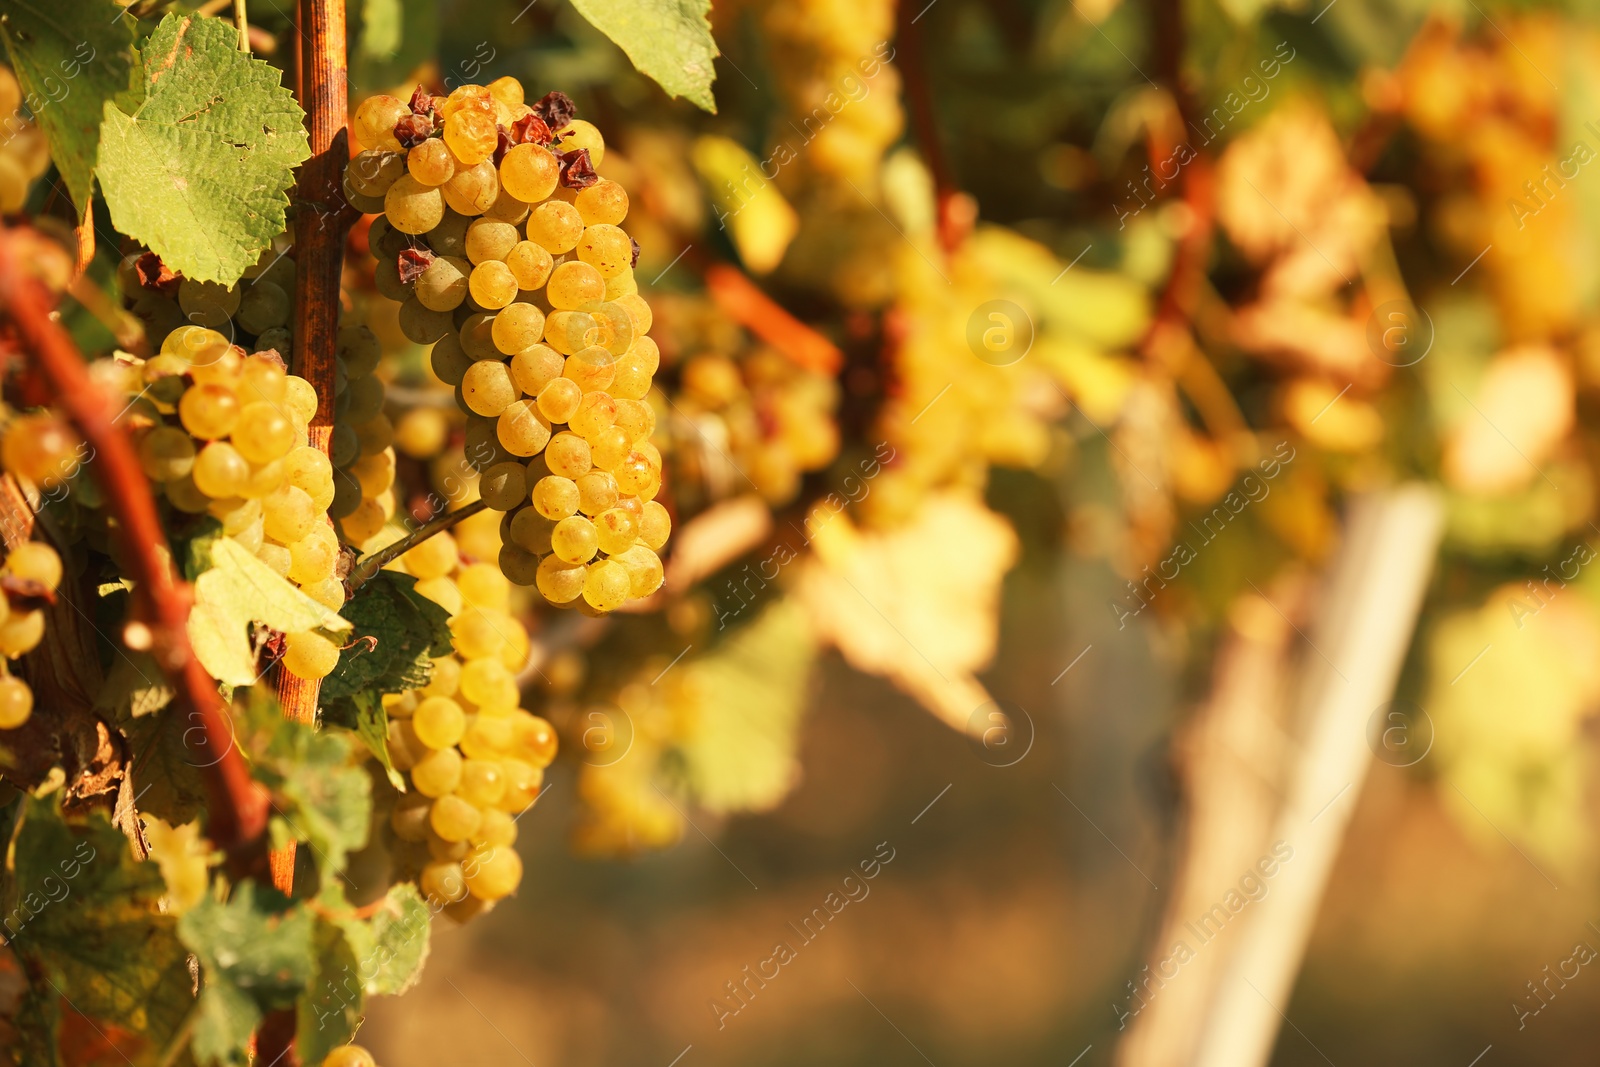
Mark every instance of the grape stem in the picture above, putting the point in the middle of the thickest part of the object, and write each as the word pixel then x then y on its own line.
pixel 236 809
pixel 371 565
pixel 243 20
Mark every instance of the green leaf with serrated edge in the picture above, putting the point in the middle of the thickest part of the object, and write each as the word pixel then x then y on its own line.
pixel 390 945
pixel 402 632
pixel 164 775
pixel 255 955
pixel 669 40
pixel 199 171
pixel 319 797
pixel 363 715
pixel 71 61
pixel 745 698
pixel 81 911
pixel 329 1011
pixel 396 947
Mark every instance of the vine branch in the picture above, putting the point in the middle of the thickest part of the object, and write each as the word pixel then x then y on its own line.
pixel 236 812
pixel 371 565
pixel 319 260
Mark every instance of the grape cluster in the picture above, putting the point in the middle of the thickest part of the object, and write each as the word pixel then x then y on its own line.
pixel 473 757
pixel 362 443
pixel 503 246
pixel 224 434
pixel 772 418
pixel 254 313
pixel 24 152
pixel 29 578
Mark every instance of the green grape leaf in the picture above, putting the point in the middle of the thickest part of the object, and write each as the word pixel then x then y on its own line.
pixel 669 40
pixel 393 944
pixel 255 955
pixel 744 699
pixel 70 66
pixel 164 777
pixel 389 947
pixel 318 796
pixel 199 171
pixel 363 715
pixel 81 911
pixel 396 632
pixel 329 1011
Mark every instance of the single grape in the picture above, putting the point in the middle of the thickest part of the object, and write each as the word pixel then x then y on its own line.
pixel 573 285
pixel 262 432
pixel 586 135
pixel 535 367
pixel 220 471
pixel 471 136
pixel 607 585
pixel 439 722
pixel 593 368
pixel 605 203
pixel 504 485
pixel 412 207
pixel 288 512
pixel 568 455
pixel 375 121
pixel 492 873
pixel 596 413
pixel 517 327
pixel 606 248
pixel 489 239
pixel 560 582
pixel 522 429
pixel 262 307
pixel 165 453
pixel 597 492
pixel 309 655
pixel 556 226
pixel 574 539
pixel 431 163
pixel 560 399
pixel 437 773
pixel 644 570
pixel 655 524
pixel 454 818
pixel 472 190
pixel 492 285
pixel 487 387
pixel 16 704
pixel 530 264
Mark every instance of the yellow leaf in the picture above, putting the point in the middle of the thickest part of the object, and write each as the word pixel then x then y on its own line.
pixel 221 644
pixel 742 703
pixel 1523 409
pixel 919 603
pixel 758 218
pixel 249 590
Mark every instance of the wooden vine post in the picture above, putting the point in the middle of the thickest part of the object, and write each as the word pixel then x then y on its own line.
pixel 320 224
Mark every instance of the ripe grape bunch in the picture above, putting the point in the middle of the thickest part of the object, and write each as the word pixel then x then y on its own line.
pixel 225 434
pixel 475 759
pixel 29 578
pixel 503 244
